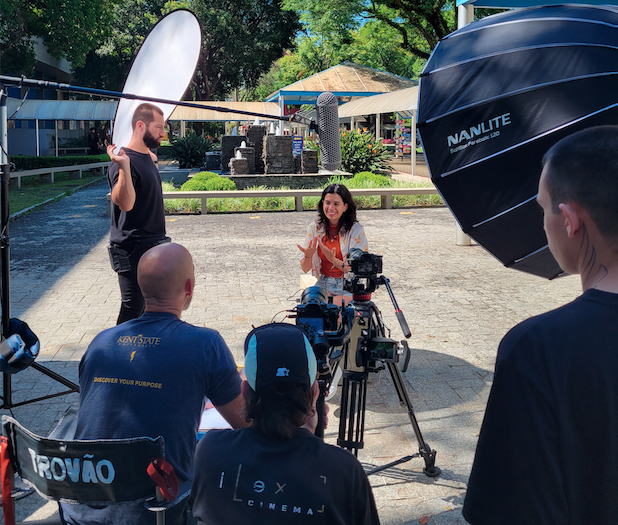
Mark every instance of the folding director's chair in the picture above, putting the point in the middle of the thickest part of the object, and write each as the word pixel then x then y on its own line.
pixel 101 472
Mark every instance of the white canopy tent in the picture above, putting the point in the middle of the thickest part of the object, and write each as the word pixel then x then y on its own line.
pixel 186 114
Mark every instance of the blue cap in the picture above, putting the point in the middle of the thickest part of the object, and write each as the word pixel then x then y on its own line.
pixel 278 353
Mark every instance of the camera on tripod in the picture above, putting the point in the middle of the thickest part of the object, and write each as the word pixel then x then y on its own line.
pixel 329 327
pixel 364 264
pixel 355 340
pixel 318 318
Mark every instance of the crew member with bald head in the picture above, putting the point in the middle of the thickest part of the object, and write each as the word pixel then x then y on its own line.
pixel 150 377
pixel 138 218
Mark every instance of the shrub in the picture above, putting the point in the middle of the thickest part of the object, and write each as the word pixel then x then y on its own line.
pixel 190 151
pixel 219 184
pixel 361 151
pixel 204 175
pixel 176 205
pixel 252 203
pixel 216 183
pixel 23 162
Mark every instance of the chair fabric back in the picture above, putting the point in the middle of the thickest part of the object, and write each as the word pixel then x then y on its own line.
pixel 94 472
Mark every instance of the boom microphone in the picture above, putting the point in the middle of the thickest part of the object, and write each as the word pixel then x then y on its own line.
pixel 327 110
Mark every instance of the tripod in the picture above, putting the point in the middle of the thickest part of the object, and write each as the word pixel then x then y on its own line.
pixel 5 299
pixel 367 342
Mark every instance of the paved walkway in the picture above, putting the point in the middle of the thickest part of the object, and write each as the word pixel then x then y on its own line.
pixel 458 301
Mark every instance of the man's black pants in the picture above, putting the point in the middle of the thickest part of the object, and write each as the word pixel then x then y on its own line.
pixel 124 259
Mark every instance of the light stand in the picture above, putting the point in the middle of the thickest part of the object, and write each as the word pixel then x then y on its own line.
pixel 5 291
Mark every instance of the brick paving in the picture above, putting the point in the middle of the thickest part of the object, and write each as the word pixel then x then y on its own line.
pixel 458 301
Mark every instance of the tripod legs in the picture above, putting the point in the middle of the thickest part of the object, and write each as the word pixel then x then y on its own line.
pixel 424 450
pixel 352 418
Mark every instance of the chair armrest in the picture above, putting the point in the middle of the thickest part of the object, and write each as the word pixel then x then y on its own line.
pixel 184 491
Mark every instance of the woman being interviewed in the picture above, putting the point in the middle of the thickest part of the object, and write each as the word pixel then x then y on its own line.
pixel 330 237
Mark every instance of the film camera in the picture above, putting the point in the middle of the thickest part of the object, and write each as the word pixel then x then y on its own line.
pixel 355 340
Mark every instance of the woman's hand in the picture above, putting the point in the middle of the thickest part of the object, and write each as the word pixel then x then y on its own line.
pixel 331 255
pixel 309 251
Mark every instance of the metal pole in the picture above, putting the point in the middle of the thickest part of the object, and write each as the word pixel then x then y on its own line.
pixel 465 15
pixel 42 84
pixel 5 292
pixel 413 139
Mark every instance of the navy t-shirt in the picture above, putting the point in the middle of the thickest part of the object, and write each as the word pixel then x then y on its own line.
pixel 548 447
pixel 146 221
pixel 244 477
pixel 149 377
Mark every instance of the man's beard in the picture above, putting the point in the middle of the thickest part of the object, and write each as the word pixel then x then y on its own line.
pixel 150 141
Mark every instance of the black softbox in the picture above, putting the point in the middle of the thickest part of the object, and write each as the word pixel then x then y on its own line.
pixel 494 97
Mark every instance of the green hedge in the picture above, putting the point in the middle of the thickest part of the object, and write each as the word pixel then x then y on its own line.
pixel 216 183
pixel 204 175
pixel 23 162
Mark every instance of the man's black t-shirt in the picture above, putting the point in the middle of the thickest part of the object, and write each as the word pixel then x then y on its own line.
pixel 548 447
pixel 243 477
pixel 145 223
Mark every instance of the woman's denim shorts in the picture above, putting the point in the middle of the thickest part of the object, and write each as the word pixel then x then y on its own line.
pixel 333 285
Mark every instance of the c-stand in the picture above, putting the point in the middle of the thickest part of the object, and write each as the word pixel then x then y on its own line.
pixel 363 353
pixel 5 295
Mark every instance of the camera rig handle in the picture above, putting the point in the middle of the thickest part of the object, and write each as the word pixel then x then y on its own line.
pixel 400 317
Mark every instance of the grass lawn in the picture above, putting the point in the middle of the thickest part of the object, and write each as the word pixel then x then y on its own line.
pixel 33 192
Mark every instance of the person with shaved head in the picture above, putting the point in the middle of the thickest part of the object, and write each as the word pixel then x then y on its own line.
pixel 548 447
pixel 150 377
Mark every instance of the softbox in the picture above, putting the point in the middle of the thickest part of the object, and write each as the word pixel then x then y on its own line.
pixel 494 97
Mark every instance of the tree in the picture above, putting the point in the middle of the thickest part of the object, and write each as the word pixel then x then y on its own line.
pixel 374 44
pixel 108 66
pixel 240 41
pixel 420 24
pixel 69 29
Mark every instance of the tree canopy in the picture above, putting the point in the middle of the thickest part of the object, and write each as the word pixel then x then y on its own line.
pixel 420 24
pixel 240 40
pixel 372 44
pixel 108 66
pixel 68 28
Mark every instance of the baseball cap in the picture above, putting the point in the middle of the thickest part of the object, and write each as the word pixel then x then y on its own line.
pixel 278 353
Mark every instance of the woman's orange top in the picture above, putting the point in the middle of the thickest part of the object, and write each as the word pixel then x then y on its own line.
pixel 326 268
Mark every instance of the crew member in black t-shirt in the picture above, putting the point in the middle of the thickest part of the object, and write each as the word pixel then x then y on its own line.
pixel 548 447
pixel 277 472
pixel 138 219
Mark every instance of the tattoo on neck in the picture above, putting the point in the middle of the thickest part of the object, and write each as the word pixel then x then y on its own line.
pixel 593 272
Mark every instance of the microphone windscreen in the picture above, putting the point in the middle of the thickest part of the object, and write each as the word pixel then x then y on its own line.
pixel 327 110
